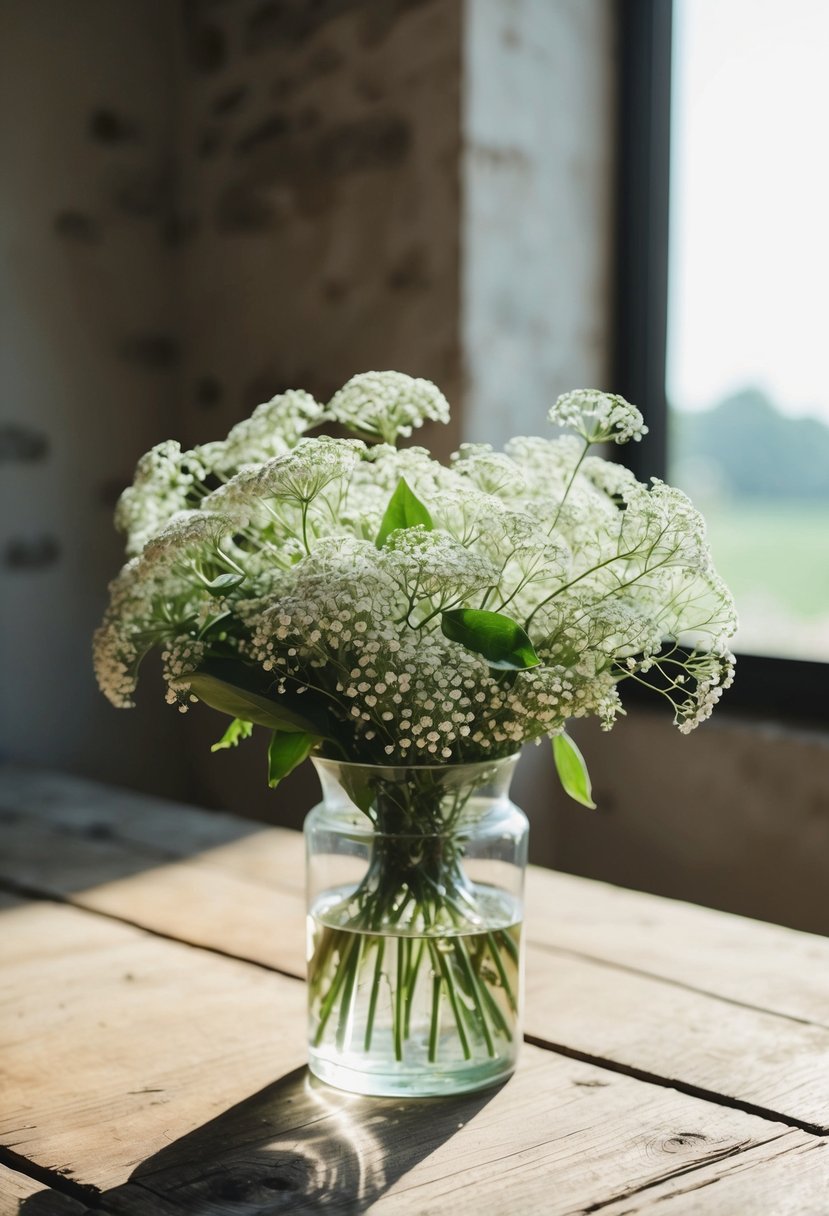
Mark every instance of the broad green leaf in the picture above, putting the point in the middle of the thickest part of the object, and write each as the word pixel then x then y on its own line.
pixel 501 641
pixel 224 583
pixel 229 687
pixel 285 752
pixel 405 510
pixel 235 733
pixel 572 770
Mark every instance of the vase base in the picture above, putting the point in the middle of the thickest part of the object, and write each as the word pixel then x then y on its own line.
pixel 434 1082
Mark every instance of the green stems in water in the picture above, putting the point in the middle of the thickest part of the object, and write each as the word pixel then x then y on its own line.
pixel 434 989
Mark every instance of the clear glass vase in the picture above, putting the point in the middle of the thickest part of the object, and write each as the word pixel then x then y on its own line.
pixel 415 906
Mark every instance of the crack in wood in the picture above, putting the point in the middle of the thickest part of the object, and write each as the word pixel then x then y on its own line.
pixel 54 1178
pixel 682 1087
pixel 734 1150
pixel 699 1184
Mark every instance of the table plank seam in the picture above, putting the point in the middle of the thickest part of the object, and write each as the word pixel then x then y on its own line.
pixel 54 1178
pixel 26 891
pixel 561 1049
pixel 104 830
pixel 683 1087
pixel 30 892
pixel 629 969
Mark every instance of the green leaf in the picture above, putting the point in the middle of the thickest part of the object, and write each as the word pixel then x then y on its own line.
pixel 501 641
pixel 238 730
pixel 572 770
pixel 405 510
pixel 285 752
pixel 235 690
pixel 223 583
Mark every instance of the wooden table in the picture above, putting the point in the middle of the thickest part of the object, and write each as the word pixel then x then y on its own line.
pixel 152 1042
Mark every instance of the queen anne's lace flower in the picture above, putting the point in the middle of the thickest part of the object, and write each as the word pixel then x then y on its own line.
pixel 278 568
pixel 272 429
pixel 387 405
pixel 599 417
pixel 166 481
pixel 304 472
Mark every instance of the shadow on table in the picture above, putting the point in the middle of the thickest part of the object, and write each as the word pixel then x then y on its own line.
pixel 296 1146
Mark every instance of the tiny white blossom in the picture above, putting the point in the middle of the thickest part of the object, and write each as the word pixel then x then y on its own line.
pixel 387 405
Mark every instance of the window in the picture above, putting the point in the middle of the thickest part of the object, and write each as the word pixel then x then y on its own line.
pixel 723 259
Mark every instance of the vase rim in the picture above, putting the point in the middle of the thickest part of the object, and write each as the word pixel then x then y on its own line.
pixel 446 766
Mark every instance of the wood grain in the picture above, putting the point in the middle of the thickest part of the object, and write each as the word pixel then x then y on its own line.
pixel 172 1079
pixel 773 968
pixel 788 1178
pixel 636 1020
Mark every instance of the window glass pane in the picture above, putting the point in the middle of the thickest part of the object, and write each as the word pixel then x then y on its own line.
pixel 748 340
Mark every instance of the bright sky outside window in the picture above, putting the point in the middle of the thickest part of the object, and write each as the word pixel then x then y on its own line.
pixel 748 332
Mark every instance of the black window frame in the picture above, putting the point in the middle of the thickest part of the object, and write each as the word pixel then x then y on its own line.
pixel 780 688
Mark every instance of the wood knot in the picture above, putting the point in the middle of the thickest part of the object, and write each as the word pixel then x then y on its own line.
pixel 680 1141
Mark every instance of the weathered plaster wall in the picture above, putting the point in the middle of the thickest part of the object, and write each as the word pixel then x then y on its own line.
pixel 538 208
pixel 88 357
pixel 319 154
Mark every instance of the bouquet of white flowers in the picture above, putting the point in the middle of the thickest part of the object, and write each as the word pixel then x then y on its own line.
pixel 411 625
pixel 373 604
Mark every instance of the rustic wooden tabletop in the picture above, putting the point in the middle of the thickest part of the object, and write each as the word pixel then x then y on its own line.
pixel 152 1042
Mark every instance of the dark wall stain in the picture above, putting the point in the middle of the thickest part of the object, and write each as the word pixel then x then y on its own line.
pixel 208 392
pixel 335 290
pixel 144 195
pixel 209 143
pixel 307 118
pixel 178 228
pixel 278 22
pixel 269 129
pixel 22 443
pixel 22 553
pixel 77 226
pixel 283 87
pixel 243 209
pixel 229 101
pixel 306 169
pixel 324 61
pixel 289 22
pixel 373 143
pixel 381 16
pixel 410 271
pixel 207 48
pixel 369 88
pixel 111 128
pixel 155 351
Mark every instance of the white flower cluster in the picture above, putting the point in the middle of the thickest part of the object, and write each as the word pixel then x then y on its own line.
pixel 272 429
pixel 387 405
pixel 165 482
pixel 277 568
pixel 599 417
